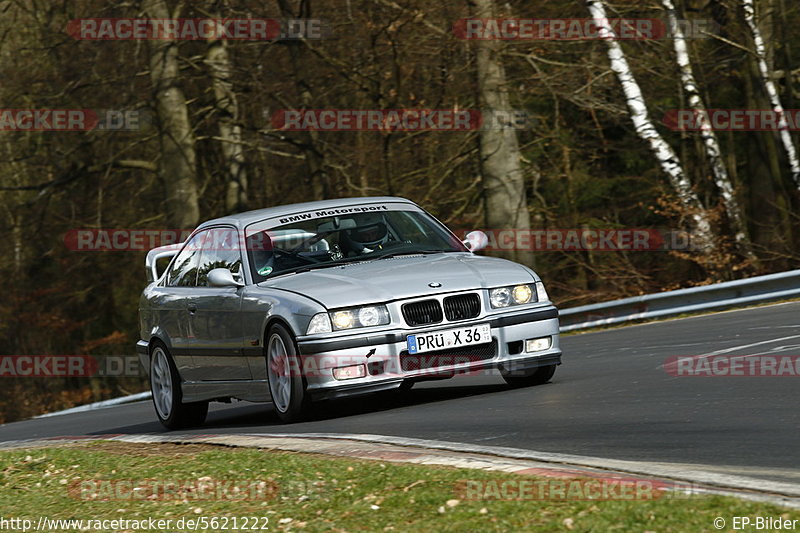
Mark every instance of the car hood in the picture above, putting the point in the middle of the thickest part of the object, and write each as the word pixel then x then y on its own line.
pixel 401 277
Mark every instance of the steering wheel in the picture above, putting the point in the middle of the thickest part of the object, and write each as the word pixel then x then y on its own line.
pixel 308 260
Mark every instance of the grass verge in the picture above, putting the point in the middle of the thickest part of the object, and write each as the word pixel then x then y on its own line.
pixel 305 492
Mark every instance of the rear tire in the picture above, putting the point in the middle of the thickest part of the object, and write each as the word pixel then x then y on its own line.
pixel 286 387
pixel 165 384
pixel 538 376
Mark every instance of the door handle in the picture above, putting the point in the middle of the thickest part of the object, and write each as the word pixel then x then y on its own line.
pixel 192 309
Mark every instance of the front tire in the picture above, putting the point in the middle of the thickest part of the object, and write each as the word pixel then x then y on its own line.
pixel 286 386
pixel 538 376
pixel 165 383
pixel 406 385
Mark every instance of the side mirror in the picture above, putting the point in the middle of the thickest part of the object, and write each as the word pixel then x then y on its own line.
pixel 150 262
pixel 476 241
pixel 222 277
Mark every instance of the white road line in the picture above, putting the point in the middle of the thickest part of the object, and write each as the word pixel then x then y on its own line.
pixel 743 346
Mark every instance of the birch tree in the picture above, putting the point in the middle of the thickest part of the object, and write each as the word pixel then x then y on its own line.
pixel 707 133
pixel 503 177
pixel 645 129
pixel 772 93
pixel 177 166
pixel 230 131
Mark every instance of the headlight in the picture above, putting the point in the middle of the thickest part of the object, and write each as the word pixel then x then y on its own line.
pixel 500 297
pixel 369 316
pixel 361 317
pixel 522 294
pixel 320 323
pixel 514 295
pixel 343 319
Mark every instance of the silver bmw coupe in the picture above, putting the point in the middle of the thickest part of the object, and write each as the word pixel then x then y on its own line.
pixel 322 300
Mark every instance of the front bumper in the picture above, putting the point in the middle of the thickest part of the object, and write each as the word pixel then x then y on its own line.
pixel 386 360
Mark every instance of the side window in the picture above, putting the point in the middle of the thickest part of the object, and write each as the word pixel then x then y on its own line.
pixel 184 269
pixel 220 248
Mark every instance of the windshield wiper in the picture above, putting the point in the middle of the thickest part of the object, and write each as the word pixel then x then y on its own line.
pixel 418 252
pixel 315 266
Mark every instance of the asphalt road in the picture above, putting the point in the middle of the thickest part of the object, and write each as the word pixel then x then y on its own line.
pixel 611 398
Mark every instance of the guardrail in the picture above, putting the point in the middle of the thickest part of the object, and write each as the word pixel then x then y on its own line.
pixel 718 296
pixel 138 397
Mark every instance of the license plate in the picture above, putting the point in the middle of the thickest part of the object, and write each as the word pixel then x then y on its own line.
pixel 449 338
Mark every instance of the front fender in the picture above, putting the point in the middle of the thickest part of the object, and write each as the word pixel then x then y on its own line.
pixel 260 308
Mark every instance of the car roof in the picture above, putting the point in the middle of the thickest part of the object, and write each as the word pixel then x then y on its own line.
pixel 241 220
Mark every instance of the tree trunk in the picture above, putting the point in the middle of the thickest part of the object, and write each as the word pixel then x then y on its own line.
pixel 177 167
pixel 767 194
pixel 505 196
pixel 317 179
pixel 772 92
pixel 707 134
pixel 219 62
pixel 666 156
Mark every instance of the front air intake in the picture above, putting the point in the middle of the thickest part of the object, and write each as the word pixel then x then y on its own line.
pixel 421 313
pixel 462 306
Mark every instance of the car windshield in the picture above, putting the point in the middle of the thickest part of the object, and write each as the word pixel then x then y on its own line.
pixel 327 241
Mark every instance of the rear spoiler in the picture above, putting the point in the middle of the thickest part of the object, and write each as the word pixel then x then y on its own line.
pixel 155 254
